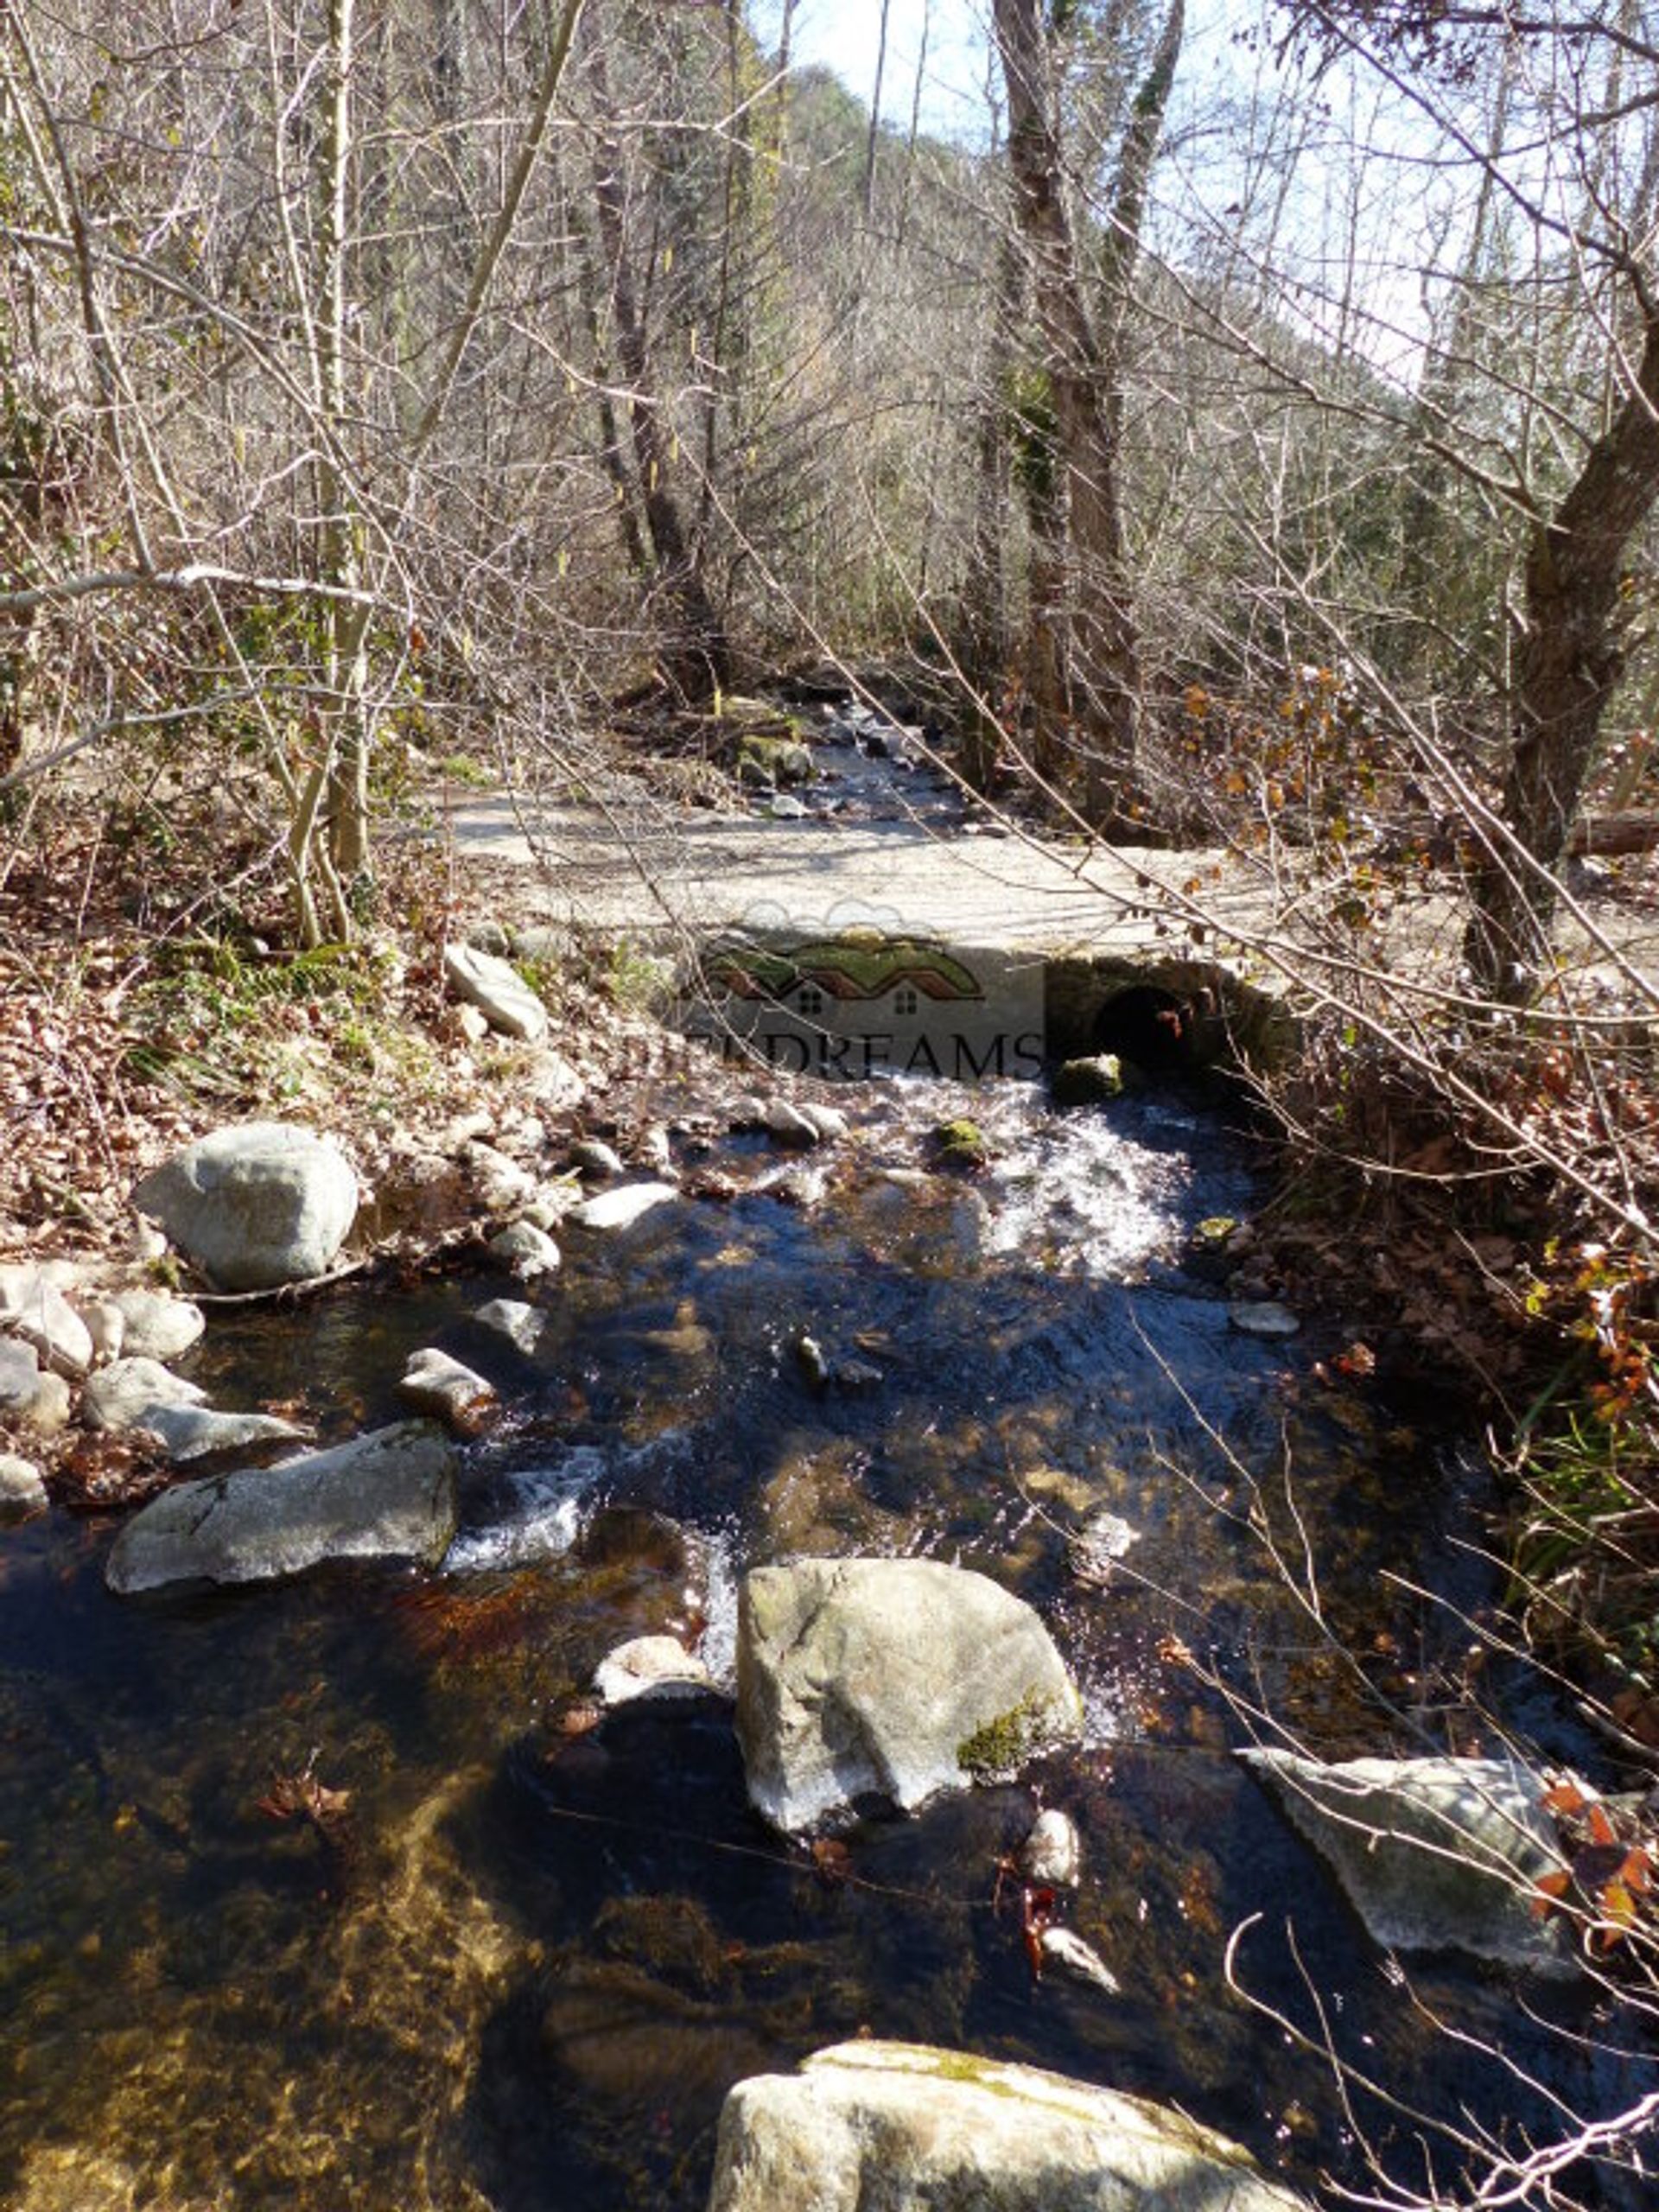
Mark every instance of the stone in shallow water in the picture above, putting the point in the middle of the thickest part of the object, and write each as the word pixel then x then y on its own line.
pixel 192 1431
pixel 888 1678
pixel 915 2129
pixel 622 1207
pixel 1434 1854
pixel 649 1666
pixel 1052 1855
pixel 1264 1318
pixel 435 1383
pixel 529 1251
pixel 154 1326
pixel 390 1494
pixel 523 1325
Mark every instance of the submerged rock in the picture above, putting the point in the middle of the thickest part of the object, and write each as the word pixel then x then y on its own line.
pixel 622 1207
pixel 888 1678
pixel 1052 1855
pixel 1434 1854
pixel 255 1206
pixel 1079 1961
pixel 388 1495
pixel 917 2129
pixel 649 1666
pixel 523 1325
pixel 1263 1317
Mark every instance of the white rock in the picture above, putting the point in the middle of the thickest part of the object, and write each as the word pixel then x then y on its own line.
pixel 496 989
pixel 523 1326
pixel 501 1183
pixel 1062 1948
pixel 157 1325
pixel 916 2130
pixel 33 1306
pixel 391 1494
pixel 435 1383
pixel 529 1251
pixel 192 1431
pixel 888 1678
pixel 1434 1854
pixel 121 1395
pixel 22 1488
pixel 1052 1855
pixel 105 1324
pixel 649 1666
pixel 622 1207
pixel 256 1206
pixel 27 1394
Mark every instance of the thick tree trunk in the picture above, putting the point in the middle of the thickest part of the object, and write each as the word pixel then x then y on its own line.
pixel 1568 663
pixel 1084 671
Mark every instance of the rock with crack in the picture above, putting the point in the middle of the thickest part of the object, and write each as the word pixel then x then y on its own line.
pixel 1434 1854
pixel 387 1495
pixel 915 2129
pixel 255 1206
pixel 891 1679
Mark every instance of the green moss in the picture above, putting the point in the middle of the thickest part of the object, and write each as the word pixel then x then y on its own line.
pixel 962 1143
pixel 1003 1746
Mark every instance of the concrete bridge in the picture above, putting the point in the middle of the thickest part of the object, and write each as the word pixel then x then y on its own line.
pixel 1231 948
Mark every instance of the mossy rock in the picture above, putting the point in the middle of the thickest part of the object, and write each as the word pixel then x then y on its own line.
pixel 1091 1081
pixel 769 761
pixel 961 1144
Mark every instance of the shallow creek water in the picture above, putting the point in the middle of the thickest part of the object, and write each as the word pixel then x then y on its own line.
pixel 535 1959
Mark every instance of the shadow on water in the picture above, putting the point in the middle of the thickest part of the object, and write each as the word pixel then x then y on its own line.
pixel 523 1968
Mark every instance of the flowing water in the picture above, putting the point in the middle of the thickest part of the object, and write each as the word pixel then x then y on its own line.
pixel 523 1964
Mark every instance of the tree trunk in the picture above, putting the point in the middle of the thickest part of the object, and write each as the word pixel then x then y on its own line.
pixel 697 659
pixel 1083 672
pixel 344 702
pixel 1567 665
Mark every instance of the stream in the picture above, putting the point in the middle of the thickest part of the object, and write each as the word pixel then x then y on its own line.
pixel 521 1969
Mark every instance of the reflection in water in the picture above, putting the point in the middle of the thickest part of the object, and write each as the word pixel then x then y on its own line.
pixel 524 1971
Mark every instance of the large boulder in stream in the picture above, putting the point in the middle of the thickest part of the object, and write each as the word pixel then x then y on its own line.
pixel 888 1678
pixel 388 1495
pixel 1434 1854
pixel 915 2129
pixel 255 1206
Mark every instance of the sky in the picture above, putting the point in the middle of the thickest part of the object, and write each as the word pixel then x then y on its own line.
pixel 845 34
